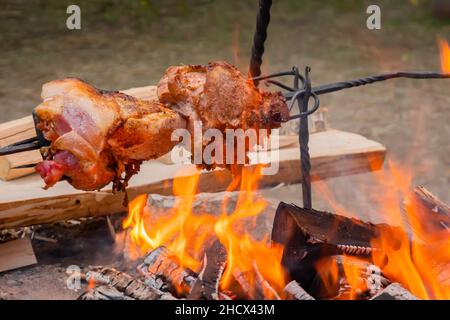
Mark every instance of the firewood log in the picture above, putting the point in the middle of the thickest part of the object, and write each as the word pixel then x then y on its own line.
pixel 309 235
pixel 260 290
pixel 207 284
pixel 103 293
pixel 435 207
pixel 395 292
pixel 163 271
pixel 332 282
pixel 126 284
pixel 297 292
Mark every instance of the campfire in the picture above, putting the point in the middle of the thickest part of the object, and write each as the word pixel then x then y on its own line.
pixel 188 251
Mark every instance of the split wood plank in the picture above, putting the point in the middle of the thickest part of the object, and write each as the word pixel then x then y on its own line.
pixel 16 254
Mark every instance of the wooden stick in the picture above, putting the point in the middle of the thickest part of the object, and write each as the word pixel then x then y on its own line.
pixel 103 293
pixel 297 292
pixel 394 292
pixel 269 293
pixel 207 284
pixel 433 214
pixel 163 270
pixel 432 202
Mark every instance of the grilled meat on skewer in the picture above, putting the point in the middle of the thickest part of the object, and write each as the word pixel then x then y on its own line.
pixel 220 97
pixel 98 135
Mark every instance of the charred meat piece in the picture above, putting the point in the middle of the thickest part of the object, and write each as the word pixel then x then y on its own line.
pixel 220 97
pixel 98 135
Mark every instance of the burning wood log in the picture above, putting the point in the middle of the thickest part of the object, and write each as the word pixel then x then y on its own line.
pixel 394 292
pixel 297 292
pixel 254 285
pixel 162 270
pixel 435 210
pixel 207 284
pixel 344 277
pixel 309 235
pixel 432 216
pixel 104 293
pixel 431 201
pixel 126 284
pixel 269 293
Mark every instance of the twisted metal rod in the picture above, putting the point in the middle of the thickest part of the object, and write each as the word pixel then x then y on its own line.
pixel 338 86
pixel 303 136
pixel 259 37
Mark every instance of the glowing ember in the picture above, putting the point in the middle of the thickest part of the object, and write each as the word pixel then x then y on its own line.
pixel 187 234
pixel 445 55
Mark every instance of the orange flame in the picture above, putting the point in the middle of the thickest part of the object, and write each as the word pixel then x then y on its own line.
pixel 415 252
pixel 444 49
pixel 409 256
pixel 187 234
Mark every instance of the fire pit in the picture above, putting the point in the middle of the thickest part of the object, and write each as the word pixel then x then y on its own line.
pixel 214 247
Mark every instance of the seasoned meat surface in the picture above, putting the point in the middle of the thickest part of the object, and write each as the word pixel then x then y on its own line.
pixel 220 97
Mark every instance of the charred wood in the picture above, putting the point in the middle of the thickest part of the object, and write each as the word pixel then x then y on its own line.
pixel 254 285
pixel 395 292
pixel 432 210
pixel 308 235
pixel 294 290
pixel 126 284
pixel 104 293
pixel 332 278
pixel 162 270
pixel 431 201
pixel 269 293
pixel 207 284
pixel 243 278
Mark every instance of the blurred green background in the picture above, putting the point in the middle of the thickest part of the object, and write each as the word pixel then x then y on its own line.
pixel 123 44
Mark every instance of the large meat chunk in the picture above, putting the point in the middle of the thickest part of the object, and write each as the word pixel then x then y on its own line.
pixel 220 97
pixel 98 135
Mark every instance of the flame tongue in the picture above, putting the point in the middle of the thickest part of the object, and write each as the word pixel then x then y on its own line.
pixel 444 49
pixel 415 254
pixel 187 234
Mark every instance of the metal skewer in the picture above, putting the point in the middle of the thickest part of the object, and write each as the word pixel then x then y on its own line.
pixel 33 143
pixel 20 146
